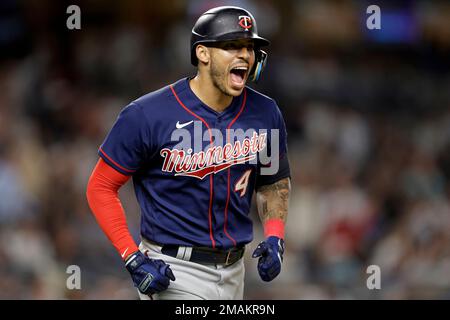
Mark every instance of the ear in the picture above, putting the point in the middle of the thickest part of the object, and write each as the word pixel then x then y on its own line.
pixel 203 54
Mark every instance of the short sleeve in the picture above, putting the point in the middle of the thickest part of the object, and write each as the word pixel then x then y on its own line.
pixel 283 163
pixel 281 126
pixel 127 144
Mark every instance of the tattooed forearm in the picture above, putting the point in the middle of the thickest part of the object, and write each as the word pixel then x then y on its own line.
pixel 273 200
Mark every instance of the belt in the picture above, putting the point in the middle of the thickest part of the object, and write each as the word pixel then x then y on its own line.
pixel 204 255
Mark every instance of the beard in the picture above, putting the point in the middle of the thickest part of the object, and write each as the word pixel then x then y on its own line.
pixel 218 78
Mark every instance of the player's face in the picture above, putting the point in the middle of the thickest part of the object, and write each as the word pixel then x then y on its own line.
pixel 230 66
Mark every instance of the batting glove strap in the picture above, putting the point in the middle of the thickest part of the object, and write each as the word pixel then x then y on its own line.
pixel 270 253
pixel 135 261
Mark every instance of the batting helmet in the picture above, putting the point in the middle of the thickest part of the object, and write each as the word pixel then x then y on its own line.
pixel 229 23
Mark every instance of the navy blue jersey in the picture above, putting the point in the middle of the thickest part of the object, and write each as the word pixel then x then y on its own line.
pixel 194 169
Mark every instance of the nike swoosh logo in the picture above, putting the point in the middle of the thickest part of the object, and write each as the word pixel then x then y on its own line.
pixel 124 253
pixel 182 125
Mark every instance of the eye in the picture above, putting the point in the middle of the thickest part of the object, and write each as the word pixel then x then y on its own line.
pixel 231 46
pixel 237 46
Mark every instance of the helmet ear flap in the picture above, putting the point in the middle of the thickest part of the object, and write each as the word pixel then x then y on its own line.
pixel 260 64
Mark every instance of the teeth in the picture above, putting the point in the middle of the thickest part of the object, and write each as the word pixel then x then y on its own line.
pixel 241 68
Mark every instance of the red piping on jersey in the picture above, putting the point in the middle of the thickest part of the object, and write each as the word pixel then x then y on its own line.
pixel 211 176
pixel 115 163
pixel 229 170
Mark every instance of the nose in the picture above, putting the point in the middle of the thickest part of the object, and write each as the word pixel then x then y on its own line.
pixel 244 53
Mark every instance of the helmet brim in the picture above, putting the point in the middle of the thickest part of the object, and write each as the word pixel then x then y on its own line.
pixel 259 42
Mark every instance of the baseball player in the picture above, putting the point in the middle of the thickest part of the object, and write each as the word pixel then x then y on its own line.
pixel 197 150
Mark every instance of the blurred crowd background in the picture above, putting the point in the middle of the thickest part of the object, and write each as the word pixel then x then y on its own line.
pixel 368 117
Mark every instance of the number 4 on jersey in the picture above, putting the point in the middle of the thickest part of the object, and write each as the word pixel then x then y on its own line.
pixel 242 183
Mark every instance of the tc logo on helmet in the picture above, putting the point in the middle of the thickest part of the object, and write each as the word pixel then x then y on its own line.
pixel 245 22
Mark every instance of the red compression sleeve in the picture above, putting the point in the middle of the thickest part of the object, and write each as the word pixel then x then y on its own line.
pixel 103 198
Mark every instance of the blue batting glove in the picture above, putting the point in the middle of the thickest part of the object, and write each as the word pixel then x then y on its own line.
pixel 149 275
pixel 270 253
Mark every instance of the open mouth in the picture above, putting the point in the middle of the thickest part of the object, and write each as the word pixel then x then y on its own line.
pixel 238 76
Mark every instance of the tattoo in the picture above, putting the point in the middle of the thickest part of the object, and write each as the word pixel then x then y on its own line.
pixel 273 200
